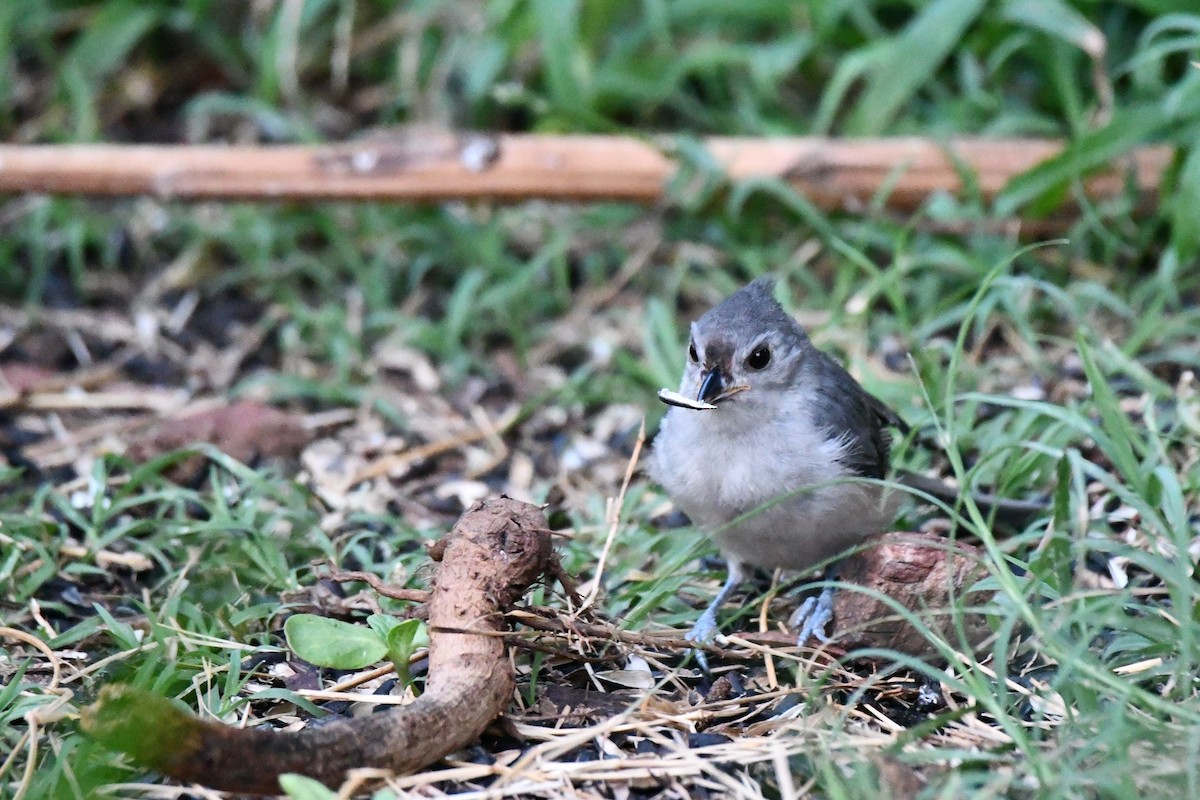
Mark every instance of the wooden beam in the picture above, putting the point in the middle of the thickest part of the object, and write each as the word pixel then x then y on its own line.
pixel 832 173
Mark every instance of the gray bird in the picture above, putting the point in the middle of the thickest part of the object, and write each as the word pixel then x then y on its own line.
pixel 770 459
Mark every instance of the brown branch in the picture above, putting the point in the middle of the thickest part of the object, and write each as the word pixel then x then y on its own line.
pixel 495 552
pixel 433 167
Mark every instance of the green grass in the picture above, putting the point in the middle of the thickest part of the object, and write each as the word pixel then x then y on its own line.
pixel 1106 321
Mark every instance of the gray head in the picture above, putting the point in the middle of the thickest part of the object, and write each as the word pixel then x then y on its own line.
pixel 744 348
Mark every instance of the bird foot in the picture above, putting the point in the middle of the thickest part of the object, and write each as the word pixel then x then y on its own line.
pixel 703 632
pixel 812 616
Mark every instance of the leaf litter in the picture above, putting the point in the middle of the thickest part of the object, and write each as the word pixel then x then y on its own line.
pixel 606 711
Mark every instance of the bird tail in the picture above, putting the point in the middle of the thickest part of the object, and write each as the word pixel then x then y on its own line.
pixel 1006 509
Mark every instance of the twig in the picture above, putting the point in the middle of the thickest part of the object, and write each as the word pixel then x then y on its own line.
pixel 543 619
pixel 396 593
pixel 427 166
pixel 35 716
pixel 142 398
pixel 42 647
pixel 615 507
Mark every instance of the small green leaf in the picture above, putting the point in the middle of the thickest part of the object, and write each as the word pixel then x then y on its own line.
pixel 403 640
pixel 302 787
pixel 331 643
pixel 383 624
pixel 1062 492
pixel 406 637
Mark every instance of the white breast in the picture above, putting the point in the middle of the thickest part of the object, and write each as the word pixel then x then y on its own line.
pixel 771 495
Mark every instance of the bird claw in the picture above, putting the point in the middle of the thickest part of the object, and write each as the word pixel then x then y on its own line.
pixel 812 616
pixel 703 632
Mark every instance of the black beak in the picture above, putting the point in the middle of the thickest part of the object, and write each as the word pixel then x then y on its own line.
pixel 711 385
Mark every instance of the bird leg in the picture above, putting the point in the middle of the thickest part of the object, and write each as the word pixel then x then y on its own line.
pixel 705 629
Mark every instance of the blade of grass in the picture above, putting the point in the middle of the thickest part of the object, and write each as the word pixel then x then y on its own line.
pixel 910 61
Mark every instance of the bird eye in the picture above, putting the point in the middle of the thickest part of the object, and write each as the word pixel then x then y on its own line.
pixel 759 358
pixel 692 354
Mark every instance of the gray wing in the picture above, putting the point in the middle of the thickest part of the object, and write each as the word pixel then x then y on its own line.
pixel 845 408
